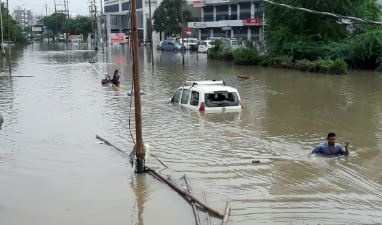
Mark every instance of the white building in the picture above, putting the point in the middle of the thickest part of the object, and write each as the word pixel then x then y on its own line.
pixel 230 19
pixel 117 13
pixel 23 17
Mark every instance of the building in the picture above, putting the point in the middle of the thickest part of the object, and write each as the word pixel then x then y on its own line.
pixel 23 17
pixel 230 19
pixel 117 13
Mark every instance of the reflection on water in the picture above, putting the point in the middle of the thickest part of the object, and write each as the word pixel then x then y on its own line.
pixel 53 169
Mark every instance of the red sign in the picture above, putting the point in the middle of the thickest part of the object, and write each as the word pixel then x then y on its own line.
pixel 198 3
pixel 187 31
pixel 253 22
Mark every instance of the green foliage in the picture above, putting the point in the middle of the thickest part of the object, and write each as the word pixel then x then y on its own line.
pixel 250 56
pixel 168 17
pixel 16 34
pixel 245 56
pixel 220 51
pixel 55 22
pixel 365 50
pixel 78 25
pixel 302 34
pixel 338 66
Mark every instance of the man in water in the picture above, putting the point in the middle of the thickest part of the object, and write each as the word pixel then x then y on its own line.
pixel 330 147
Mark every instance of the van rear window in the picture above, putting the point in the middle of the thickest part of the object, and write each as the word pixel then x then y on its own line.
pixel 221 99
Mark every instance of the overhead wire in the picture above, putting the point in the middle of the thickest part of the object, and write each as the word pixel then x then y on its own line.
pixel 338 16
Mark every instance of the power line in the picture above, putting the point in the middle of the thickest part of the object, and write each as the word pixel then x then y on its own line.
pixel 338 16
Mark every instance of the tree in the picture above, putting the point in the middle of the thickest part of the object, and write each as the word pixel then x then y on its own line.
pixel 288 30
pixel 80 25
pixel 16 34
pixel 168 17
pixel 56 23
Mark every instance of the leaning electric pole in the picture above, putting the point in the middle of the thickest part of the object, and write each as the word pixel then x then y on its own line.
pixel 62 7
pixel 93 16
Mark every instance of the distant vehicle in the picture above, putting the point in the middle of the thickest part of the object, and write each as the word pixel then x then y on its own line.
pixel 5 44
pixel 204 46
pixel 171 46
pixel 190 43
pixel 207 96
pixel 60 38
pixel 176 39
pixel 235 43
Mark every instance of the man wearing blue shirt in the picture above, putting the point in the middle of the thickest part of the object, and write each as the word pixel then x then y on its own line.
pixel 330 147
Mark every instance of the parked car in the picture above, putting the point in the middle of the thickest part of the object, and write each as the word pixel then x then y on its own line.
pixel 5 44
pixel 204 46
pixel 235 43
pixel 207 96
pixel 190 43
pixel 171 46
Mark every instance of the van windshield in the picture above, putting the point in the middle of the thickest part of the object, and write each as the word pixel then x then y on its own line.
pixel 221 99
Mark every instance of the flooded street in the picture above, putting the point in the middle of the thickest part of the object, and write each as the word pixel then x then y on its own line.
pixel 54 171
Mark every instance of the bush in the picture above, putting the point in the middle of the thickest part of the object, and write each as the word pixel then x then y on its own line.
pixel 245 56
pixel 338 66
pixel 220 51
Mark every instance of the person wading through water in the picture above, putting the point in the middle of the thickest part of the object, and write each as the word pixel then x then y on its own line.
pixel 330 147
pixel 115 79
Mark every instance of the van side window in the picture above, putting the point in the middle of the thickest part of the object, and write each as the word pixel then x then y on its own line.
pixel 185 96
pixel 194 98
pixel 176 97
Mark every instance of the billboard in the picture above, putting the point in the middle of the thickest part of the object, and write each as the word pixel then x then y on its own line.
pixel 118 38
pixel 36 29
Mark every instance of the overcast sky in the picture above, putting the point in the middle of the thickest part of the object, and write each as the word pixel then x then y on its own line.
pixel 76 7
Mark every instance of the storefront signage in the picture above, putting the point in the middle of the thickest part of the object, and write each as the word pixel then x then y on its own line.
pixel 118 38
pixel 253 22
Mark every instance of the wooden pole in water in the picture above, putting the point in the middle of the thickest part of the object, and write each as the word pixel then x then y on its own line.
pixel 9 41
pixel 140 167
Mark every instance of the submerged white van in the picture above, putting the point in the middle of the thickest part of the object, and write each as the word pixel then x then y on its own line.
pixel 207 96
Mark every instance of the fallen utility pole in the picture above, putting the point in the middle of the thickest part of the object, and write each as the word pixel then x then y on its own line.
pixel 181 191
pixel 197 218
pixel 140 167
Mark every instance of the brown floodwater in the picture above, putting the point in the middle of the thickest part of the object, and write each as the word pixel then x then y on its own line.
pixel 54 171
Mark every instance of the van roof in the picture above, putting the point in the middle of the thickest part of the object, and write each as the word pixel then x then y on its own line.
pixel 211 88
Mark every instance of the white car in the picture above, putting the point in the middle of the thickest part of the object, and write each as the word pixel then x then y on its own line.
pixel 190 43
pixel 204 46
pixel 235 43
pixel 207 96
